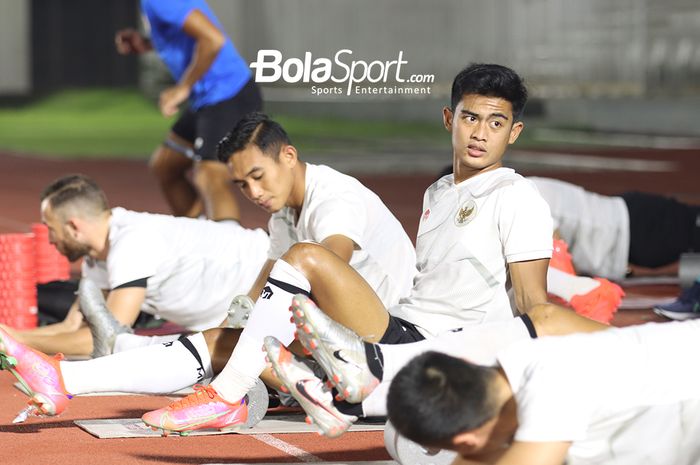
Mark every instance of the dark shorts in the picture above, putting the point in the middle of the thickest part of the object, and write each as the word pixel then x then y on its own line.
pixel 401 331
pixel 661 229
pixel 205 127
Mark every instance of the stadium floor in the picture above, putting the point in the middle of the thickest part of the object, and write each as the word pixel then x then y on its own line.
pixel 57 441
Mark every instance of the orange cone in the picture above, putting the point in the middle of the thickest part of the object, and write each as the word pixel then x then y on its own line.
pixel 50 264
pixel 18 304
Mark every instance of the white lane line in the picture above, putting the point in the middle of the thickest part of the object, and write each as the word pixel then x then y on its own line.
pixel 294 451
pixel 620 139
pixel 591 162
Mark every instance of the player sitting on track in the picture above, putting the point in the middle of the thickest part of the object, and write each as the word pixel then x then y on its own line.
pixel 621 396
pixel 219 86
pixel 183 270
pixel 347 221
pixel 593 297
pixel 481 229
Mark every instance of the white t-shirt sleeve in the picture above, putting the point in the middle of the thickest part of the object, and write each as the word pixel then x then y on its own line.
pixel 524 223
pixel 341 214
pixel 137 254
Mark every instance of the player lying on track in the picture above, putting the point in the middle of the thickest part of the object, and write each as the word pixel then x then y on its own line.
pixel 620 396
pixel 183 270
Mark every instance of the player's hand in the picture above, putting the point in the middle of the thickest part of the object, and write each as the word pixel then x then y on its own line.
pixel 171 98
pixel 130 41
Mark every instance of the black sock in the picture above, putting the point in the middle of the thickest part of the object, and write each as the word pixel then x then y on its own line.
pixel 375 360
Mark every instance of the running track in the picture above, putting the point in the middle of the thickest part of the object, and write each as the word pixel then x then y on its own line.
pixel 56 441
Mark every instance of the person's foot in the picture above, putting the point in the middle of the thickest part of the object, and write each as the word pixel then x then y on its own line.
pixel 204 409
pixel 39 375
pixel 337 349
pixel 599 304
pixel 686 307
pixel 311 393
pixel 103 326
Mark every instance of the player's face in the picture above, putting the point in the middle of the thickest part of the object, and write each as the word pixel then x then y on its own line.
pixel 266 182
pixel 482 128
pixel 60 235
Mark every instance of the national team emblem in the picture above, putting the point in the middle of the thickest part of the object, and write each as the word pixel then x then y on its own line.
pixel 466 213
pixel 426 214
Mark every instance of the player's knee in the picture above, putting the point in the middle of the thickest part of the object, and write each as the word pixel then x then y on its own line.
pixel 162 167
pixel 210 175
pixel 305 255
pixel 212 336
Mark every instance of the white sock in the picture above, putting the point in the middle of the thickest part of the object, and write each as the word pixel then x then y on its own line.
pixel 134 341
pixel 270 317
pixel 566 285
pixel 157 369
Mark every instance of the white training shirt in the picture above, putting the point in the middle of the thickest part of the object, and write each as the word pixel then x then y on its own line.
pixel 194 267
pixel 467 234
pixel 337 204
pixel 596 227
pixel 623 396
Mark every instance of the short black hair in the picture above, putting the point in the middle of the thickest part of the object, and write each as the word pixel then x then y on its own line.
pixel 491 81
pixel 436 396
pixel 78 190
pixel 254 128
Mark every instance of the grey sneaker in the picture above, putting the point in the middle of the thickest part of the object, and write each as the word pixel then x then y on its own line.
pixel 337 349
pixel 312 394
pixel 239 311
pixel 103 326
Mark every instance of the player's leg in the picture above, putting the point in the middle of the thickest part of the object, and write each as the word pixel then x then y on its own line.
pixel 305 268
pixel 362 371
pixel 158 369
pixel 211 177
pixel 595 298
pixel 170 164
pixel 212 180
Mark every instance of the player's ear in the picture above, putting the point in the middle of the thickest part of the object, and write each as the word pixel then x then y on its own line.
pixel 288 155
pixel 447 116
pixel 466 441
pixel 515 131
pixel 72 227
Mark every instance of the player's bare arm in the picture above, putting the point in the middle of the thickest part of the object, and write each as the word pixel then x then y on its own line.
pixel 529 281
pixel 209 40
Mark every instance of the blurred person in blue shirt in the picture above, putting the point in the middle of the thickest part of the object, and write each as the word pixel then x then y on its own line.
pixel 215 80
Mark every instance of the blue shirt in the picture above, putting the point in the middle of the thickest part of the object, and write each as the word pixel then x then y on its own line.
pixel 227 74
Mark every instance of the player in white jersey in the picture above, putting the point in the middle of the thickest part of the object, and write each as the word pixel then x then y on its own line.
pixel 309 203
pixel 183 270
pixel 612 236
pixel 483 231
pixel 619 396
